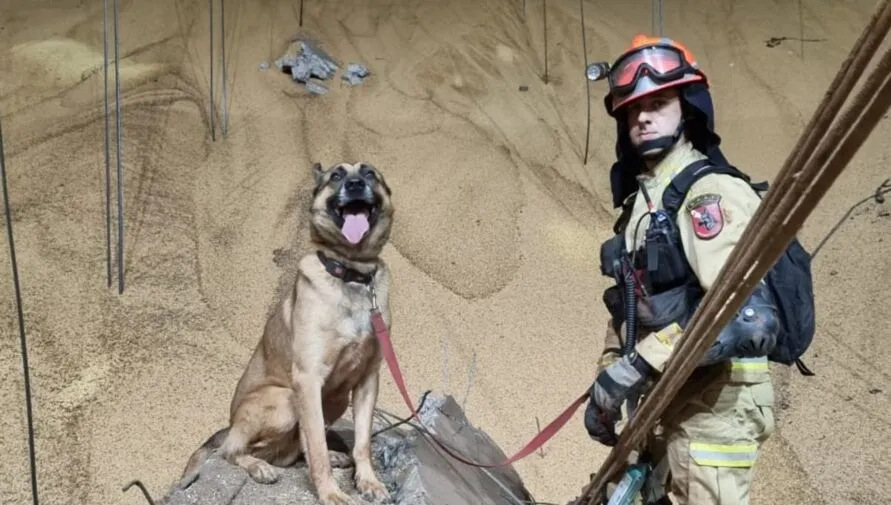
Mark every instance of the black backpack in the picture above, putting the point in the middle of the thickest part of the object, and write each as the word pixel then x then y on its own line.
pixel 789 279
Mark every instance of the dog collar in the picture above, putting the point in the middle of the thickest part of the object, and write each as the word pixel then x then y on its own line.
pixel 343 272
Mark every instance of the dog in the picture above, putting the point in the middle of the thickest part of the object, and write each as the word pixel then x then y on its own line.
pixel 318 349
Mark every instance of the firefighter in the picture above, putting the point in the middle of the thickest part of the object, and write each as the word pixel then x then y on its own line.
pixel 708 439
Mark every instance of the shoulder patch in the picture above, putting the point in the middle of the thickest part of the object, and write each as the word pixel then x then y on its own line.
pixel 706 215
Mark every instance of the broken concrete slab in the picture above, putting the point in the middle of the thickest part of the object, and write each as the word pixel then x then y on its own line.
pixel 304 60
pixel 309 62
pixel 316 88
pixel 415 470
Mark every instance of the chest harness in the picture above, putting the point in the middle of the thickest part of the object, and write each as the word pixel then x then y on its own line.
pixel 655 284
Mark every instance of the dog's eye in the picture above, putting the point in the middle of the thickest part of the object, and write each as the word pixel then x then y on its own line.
pixel 337 175
pixel 371 176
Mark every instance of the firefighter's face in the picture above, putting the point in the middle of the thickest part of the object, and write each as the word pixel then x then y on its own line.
pixel 654 116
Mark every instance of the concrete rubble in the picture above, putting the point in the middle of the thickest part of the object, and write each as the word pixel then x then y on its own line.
pixel 415 470
pixel 354 74
pixel 308 64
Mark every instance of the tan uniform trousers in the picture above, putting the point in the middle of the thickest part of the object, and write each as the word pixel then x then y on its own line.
pixel 709 437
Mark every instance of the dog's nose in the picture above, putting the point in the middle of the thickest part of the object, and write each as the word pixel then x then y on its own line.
pixel 354 184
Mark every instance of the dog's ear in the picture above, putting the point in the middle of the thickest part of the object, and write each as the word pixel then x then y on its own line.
pixel 385 185
pixel 318 173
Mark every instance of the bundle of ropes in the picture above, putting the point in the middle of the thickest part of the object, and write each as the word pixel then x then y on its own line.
pixel 816 161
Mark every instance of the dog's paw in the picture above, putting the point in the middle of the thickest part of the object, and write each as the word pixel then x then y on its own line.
pixel 262 472
pixel 340 459
pixel 371 488
pixel 334 496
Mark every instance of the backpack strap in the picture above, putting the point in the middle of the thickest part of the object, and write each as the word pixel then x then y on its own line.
pixel 681 183
pixel 677 189
pixel 625 216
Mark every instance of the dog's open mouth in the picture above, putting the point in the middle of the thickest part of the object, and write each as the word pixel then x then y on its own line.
pixel 354 218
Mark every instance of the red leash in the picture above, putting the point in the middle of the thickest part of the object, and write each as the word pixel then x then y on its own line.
pixel 383 336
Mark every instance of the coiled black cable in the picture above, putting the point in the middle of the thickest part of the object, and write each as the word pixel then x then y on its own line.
pixel 630 311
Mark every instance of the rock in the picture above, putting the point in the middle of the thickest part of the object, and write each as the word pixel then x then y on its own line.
pixel 315 88
pixel 309 62
pixel 354 73
pixel 415 470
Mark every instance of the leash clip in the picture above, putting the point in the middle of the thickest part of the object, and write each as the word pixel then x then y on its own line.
pixel 373 297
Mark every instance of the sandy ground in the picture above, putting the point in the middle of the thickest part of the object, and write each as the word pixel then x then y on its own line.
pixel 496 241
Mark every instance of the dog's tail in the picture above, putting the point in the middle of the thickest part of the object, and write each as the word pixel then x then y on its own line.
pixel 197 459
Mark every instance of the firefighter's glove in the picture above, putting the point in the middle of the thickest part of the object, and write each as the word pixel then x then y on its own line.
pixel 601 425
pixel 611 388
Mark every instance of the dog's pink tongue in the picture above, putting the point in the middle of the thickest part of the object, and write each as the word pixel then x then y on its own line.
pixel 355 226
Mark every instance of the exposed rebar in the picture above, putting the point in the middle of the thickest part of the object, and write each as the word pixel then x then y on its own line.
pixel 653 16
pixel 21 320
pixel 587 84
pixel 656 19
pixel 661 19
pixel 471 374
pixel 801 26
pixel 213 132
pixel 120 181
pixel 445 362
pixel 225 76
pixel 544 22
pixel 107 155
pixel 141 486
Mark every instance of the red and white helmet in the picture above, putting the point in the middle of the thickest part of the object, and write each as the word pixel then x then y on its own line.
pixel 649 65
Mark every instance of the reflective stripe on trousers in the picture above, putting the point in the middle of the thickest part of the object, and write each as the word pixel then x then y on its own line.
pixel 749 369
pixel 741 455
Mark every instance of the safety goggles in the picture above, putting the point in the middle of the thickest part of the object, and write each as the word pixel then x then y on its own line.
pixel 663 64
